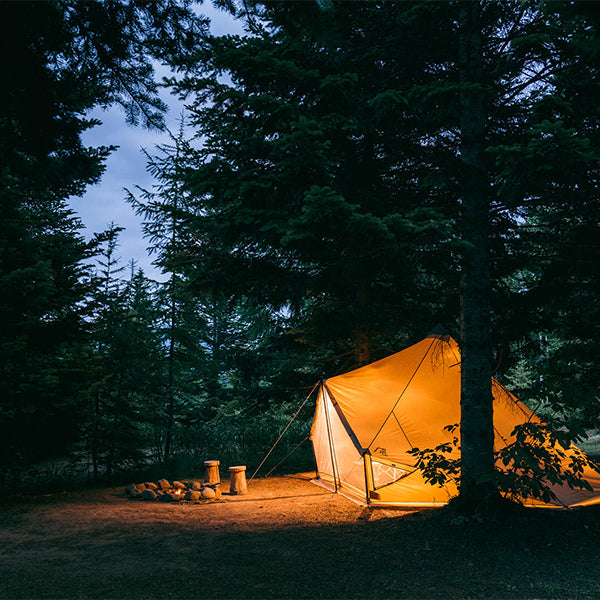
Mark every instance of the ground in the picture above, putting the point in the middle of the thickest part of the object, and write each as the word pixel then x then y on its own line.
pixel 286 538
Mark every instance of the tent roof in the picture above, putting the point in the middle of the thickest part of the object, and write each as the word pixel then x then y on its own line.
pixel 405 400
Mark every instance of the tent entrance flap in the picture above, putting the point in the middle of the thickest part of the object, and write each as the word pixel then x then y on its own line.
pixel 339 462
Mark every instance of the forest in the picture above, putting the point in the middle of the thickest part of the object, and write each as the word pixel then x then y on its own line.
pixel 347 175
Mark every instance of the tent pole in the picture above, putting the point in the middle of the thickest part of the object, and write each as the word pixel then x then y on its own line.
pixel 333 461
pixel 367 491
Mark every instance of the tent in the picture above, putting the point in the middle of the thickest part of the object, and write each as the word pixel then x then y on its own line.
pixel 367 420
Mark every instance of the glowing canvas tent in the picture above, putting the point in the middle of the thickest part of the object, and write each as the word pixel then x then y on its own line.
pixel 367 420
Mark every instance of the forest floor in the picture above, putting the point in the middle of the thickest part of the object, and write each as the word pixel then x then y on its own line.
pixel 287 538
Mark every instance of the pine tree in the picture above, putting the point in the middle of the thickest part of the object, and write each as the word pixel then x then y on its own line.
pixel 208 338
pixel 300 202
pixel 163 208
pixel 559 226
pixel 128 359
pixel 61 59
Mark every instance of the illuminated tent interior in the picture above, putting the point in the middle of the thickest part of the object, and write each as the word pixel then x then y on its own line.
pixel 367 420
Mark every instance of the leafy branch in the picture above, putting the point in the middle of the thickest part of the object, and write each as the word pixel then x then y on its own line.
pixel 528 468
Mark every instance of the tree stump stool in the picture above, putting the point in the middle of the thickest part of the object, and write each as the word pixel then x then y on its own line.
pixel 237 480
pixel 212 476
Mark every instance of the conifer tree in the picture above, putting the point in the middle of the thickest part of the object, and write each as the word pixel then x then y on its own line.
pixel 60 60
pixel 163 208
pixel 128 361
pixel 301 204
pixel 559 226
pixel 359 156
pixel 208 337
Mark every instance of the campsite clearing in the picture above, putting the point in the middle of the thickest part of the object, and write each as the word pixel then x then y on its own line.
pixel 287 539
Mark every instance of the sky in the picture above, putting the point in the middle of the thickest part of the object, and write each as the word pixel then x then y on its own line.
pixel 104 202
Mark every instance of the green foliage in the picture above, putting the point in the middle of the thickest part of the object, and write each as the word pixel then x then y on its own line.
pixel 212 365
pixel 553 166
pixel 301 202
pixel 60 60
pixel 440 464
pixel 526 468
pixel 126 367
pixel 539 458
pixel 43 345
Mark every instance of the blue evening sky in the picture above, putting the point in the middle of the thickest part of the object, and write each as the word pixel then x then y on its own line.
pixel 126 167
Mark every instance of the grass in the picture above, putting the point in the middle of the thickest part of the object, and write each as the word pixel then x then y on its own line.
pixel 424 557
pixel 532 553
pixel 591 446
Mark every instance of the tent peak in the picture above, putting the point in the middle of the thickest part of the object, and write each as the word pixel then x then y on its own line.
pixel 439 331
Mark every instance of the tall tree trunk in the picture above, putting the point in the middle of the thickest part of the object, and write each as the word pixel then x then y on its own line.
pixel 476 401
pixel 173 324
pixel 95 435
pixel 363 343
pixel 171 374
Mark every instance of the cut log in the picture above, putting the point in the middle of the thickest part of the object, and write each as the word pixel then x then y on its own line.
pixel 212 472
pixel 237 480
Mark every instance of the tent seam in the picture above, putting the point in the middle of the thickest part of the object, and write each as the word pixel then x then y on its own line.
pixel 342 416
pixel 403 391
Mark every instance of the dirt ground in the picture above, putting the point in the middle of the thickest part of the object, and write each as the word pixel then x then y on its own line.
pixel 100 544
pixel 287 538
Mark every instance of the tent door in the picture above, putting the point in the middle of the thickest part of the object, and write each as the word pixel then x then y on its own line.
pixel 381 473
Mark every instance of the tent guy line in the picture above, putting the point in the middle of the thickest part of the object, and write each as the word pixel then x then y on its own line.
pixel 283 432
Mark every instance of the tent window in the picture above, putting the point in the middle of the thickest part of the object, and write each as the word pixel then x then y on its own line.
pixel 385 474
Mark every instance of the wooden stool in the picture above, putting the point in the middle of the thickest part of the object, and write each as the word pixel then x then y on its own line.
pixel 237 480
pixel 212 476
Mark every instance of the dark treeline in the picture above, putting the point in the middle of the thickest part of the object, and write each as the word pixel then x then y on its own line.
pixel 348 175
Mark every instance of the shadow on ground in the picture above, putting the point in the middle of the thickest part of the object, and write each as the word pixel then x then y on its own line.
pixel 288 539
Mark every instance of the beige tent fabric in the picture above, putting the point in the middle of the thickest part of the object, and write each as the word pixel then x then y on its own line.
pixel 367 420
pixel 337 455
